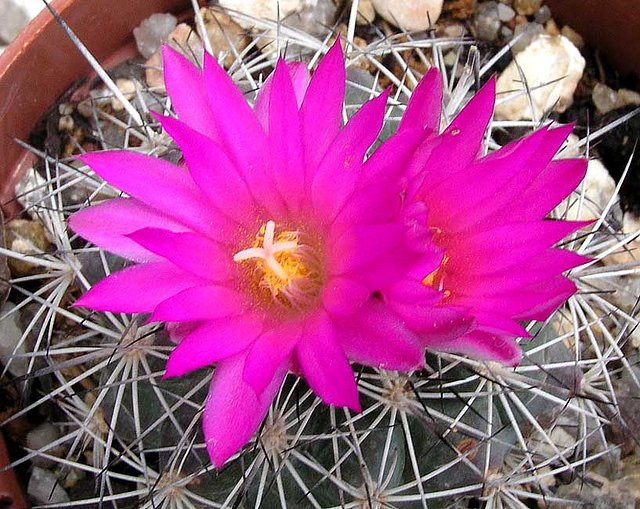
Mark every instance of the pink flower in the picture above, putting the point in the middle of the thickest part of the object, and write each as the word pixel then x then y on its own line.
pixel 488 214
pixel 268 253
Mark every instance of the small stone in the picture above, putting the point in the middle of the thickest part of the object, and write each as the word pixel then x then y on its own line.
pixel 551 67
pixel 65 108
pixel 505 13
pixel 10 336
pixel 519 20
pixel 573 36
pixel 73 478
pixel 628 97
pixel 15 15
pixel 28 238
pixel 313 19
pixel 412 16
pixel 308 16
pixel 551 28
pixel 366 12
pixel 527 7
pixel 543 15
pixel 506 33
pixel 629 253
pixel 32 191
pixel 450 58
pixel 153 73
pixel 44 487
pixel 128 89
pixel 39 439
pixel 606 99
pixel 598 187
pixel 225 35
pixel 525 33
pixel 66 124
pixel 2 48
pixel 183 39
pixel 265 9
pixel 85 108
pixel 486 21
pixel 152 32
pixel 460 9
pixel 455 31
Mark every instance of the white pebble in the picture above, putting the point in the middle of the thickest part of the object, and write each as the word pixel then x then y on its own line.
pixel 606 99
pixel 505 13
pixel 66 123
pixel 14 16
pixel 551 67
pixel 44 488
pixel 411 16
pixel 152 32
pixel 366 12
pixel 128 89
pixel 11 352
pixel 265 9
pixel 39 438
pixel 598 186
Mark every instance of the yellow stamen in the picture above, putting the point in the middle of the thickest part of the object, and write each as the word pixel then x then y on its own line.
pixel 288 269
pixel 435 278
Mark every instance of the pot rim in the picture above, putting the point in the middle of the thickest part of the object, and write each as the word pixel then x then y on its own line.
pixel 41 64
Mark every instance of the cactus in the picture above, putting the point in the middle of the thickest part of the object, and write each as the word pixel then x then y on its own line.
pixel 458 431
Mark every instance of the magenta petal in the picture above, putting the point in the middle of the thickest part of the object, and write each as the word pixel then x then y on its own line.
pixel 471 123
pixel 534 302
pixel 299 75
pixel 484 345
pixel 496 183
pixel 285 138
pixel 324 364
pixel 321 110
pixel 536 270
pixel 499 325
pixel 177 331
pixel 507 245
pixel 199 303
pixel 212 170
pixel 425 105
pixel 190 251
pixel 233 412
pixel 160 280
pixel 343 296
pixel 158 184
pixel 552 186
pixel 335 179
pixel 267 354
pixel 244 138
pixel 107 224
pixel 362 245
pixel 185 87
pixel 377 337
pixel 211 342
pixel 459 144
pixel 550 295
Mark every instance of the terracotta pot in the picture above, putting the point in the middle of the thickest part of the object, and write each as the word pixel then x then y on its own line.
pixel 611 26
pixel 11 496
pixel 41 64
pixel 35 70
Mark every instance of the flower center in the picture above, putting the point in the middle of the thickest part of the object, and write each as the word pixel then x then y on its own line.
pixel 437 278
pixel 285 267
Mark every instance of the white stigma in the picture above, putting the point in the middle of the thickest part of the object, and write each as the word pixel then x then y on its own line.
pixel 267 252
